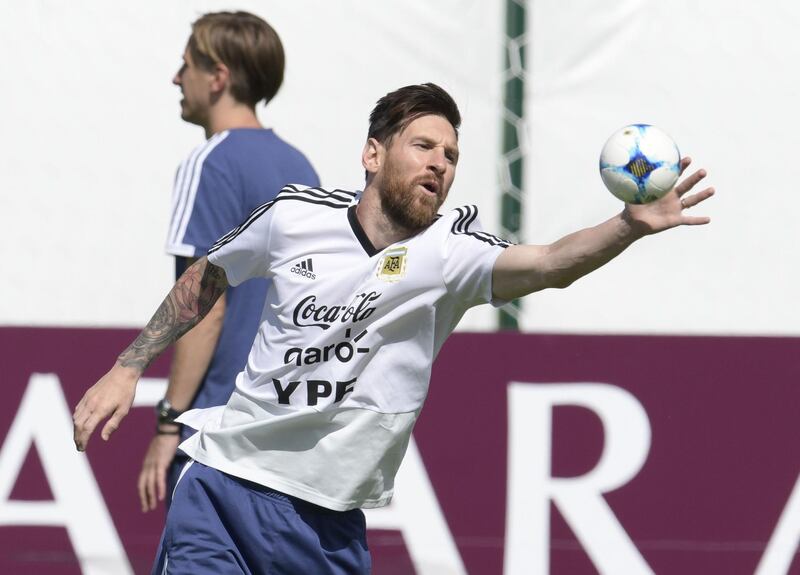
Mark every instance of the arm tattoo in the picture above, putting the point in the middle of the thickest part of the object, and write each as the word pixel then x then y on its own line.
pixel 191 298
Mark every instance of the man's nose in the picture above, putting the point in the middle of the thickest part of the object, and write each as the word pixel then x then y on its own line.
pixel 437 160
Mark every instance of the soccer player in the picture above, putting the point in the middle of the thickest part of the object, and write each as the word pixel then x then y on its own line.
pixel 365 289
pixel 232 62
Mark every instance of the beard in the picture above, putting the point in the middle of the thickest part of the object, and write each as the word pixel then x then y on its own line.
pixel 404 205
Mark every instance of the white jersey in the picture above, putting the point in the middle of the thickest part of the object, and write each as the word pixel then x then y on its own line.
pixel 341 364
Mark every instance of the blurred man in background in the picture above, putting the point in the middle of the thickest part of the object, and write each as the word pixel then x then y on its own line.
pixel 232 62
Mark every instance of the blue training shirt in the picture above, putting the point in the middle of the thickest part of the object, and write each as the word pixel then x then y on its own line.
pixel 216 188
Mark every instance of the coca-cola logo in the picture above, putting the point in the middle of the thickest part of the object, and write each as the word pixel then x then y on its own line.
pixel 308 313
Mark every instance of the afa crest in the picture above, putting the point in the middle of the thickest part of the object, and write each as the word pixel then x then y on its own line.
pixel 392 266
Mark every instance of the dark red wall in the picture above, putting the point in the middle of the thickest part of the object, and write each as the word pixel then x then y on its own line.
pixel 723 460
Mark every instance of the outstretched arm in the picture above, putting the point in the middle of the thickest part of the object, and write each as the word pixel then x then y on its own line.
pixel 524 269
pixel 190 299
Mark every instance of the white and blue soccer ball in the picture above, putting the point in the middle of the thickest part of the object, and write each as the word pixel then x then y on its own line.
pixel 639 163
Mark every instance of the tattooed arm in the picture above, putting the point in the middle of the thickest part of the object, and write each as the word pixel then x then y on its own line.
pixel 191 358
pixel 190 299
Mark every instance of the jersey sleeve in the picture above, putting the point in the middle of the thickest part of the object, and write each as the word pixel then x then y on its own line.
pixel 470 255
pixel 244 251
pixel 205 205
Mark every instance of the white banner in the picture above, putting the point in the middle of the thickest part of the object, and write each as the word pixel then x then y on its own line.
pixel 92 133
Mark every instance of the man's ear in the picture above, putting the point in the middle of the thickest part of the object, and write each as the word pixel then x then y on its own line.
pixel 372 155
pixel 221 77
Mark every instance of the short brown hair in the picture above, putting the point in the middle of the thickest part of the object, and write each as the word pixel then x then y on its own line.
pixel 396 110
pixel 247 45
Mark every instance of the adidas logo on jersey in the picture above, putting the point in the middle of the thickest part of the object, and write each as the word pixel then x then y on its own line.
pixel 304 268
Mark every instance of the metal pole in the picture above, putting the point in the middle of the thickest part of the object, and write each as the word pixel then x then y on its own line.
pixel 511 165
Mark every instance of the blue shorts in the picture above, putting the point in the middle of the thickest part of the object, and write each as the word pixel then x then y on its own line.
pixel 224 525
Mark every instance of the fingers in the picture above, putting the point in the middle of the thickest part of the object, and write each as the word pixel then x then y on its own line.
pixel 147 483
pixel 78 422
pixel 685 164
pixel 84 423
pixel 111 396
pixel 690 182
pixel 152 484
pixel 161 483
pixel 88 416
pixel 694 199
pixel 113 424
pixel 142 488
pixel 695 220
